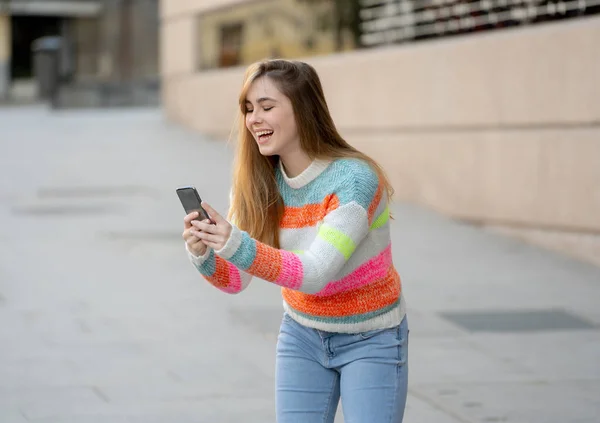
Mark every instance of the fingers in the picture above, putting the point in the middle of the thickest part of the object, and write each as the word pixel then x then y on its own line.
pixel 196 231
pixel 189 237
pixel 216 217
pixel 189 225
pixel 213 245
pixel 194 244
pixel 213 234
pixel 207 238
pixel 189 218
pixel 205 226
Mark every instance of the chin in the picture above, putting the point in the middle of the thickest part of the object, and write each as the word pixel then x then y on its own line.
pixel 267 150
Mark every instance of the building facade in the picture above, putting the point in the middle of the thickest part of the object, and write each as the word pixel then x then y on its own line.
pixel 103 43
pixel 486 111
pixel 4 54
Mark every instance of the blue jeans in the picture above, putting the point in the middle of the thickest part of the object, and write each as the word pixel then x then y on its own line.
pixel 368 370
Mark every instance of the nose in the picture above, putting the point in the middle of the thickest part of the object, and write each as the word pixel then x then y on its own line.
pixel 254 118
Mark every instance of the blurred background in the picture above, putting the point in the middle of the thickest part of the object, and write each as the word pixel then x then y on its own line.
pixel 107 51
pixel 483 110
pixel 485 114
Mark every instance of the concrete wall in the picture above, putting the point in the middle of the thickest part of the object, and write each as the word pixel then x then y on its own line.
pixel 117 57
pixel 4 56
pixel 501 129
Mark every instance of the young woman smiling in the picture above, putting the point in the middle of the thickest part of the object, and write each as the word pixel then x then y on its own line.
pixel 309 213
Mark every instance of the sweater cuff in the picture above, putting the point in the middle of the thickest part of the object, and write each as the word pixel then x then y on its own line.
pixel 198 260
pixel 232 244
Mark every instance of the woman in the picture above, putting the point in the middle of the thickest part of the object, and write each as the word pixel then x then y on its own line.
pixel 311 215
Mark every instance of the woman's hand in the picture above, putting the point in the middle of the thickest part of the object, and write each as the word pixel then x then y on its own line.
pixel 194 244
pixel 214 235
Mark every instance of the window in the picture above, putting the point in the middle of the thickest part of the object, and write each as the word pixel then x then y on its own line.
pixel 261 29
pixel 231 45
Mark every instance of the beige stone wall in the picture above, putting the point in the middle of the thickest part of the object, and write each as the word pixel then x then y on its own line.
pixel 4 37
pixel 5 42
pixel 128 39
pixel 85 31
pixel 270 27
pixel 179 8
pixel 501 129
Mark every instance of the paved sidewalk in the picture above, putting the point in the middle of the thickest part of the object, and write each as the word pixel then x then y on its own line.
pixel 103 320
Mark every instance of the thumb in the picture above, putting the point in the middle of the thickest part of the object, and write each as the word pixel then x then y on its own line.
pixel 216 217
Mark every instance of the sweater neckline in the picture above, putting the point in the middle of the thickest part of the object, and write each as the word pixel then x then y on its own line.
pixel 308 175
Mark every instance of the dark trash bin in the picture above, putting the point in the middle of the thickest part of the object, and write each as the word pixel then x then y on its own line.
pixel 46 66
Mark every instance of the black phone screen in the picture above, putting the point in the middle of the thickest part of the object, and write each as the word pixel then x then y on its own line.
pixel 191 202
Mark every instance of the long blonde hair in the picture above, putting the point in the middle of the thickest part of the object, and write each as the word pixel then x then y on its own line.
pixel 256 203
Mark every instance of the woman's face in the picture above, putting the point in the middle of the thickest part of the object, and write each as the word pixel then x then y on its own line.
pixel 270 119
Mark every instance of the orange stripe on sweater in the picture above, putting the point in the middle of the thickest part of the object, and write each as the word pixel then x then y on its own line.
pixel 375 202
pixel 221 276
pixel 308 215
pixel 267 263
pixel 379 294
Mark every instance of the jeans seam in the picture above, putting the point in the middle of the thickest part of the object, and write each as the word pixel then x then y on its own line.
pixel 396 379
pixel 328 409
pixel 395 397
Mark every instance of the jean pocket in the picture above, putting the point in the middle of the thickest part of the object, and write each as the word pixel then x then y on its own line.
pixel 376 332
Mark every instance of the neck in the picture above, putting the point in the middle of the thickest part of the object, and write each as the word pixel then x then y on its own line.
pixel 295 163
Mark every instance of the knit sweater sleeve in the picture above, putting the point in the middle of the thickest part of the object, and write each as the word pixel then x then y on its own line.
pixel 338 235
pixel 219 272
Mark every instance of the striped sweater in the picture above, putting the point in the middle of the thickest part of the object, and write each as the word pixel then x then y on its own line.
pixel 335 263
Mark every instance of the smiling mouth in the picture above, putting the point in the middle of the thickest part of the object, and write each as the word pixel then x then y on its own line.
pixel 264 136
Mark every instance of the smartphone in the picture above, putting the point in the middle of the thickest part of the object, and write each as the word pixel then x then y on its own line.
pixel 191 202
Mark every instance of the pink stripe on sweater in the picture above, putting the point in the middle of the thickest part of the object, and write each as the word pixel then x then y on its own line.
pixel 372 270
pixel 291 272
pixel 235 280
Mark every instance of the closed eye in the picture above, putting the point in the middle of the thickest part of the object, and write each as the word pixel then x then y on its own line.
pixel 266 109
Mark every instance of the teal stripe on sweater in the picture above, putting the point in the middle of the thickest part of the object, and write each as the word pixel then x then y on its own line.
pixel 350 179
pixel 209 267
pixel 246 253
pixel 355 318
